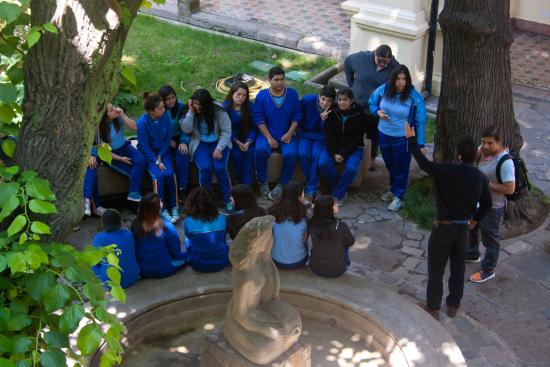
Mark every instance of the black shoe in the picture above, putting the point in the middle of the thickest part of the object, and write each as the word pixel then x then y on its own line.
pixel 472 258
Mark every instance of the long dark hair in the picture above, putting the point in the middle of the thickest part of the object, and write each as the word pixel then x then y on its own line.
pixel 200 205
pixel 208 109
pixel 246 115
pixel 104 126
pixel 245 200
pixel 165 92
pixel 148 217
pixel 391 92
pixel 322 212
pixel 289 206
pixel 151 101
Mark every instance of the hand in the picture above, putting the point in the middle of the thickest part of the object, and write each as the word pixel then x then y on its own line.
pixel 286 138
pixel 424 150
pixel 119 111
pixel 409 131
pixel 162 167
pixel 472 223
pixel 273 143
pixel 338 158
pixel 191 107
pixel 92 162
pixel 126 160
pixel 325 113
pixel 183 148
pixel 242 147
pixel 247 145
pixel 382 115
pixel 217 154
pixel 173 144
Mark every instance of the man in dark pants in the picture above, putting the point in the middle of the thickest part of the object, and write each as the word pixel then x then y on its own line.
pixel 365 71
pixel 460 187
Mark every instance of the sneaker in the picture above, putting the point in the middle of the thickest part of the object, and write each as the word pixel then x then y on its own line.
pixel 341 202
pixel 99 211
pixel 134 196
pixel 276 193
pixel 87 208
pixel 165 216
pixel 482 276
pixel 229 206
pixel 175 215
pixel 395 205
pixel 388 196
pixel 308 200
pixel 472 258
pixel 264 191
pixel 452 311
pixel 433 313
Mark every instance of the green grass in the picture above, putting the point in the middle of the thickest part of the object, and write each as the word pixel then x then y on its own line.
pixel 430 129
pixel 419 206
pixel 189 59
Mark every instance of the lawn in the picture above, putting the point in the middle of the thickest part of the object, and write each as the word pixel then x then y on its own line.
pixel 189 59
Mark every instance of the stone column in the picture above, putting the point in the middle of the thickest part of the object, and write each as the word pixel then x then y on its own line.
pixel 188 7
pixel 401 24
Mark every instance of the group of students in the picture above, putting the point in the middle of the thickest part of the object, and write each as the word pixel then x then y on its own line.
pixel 151 248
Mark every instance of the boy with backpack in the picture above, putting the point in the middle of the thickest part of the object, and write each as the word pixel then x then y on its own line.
pixel 497 165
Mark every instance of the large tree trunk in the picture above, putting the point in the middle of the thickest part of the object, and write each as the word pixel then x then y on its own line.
pixel 476 87
pixel 69 78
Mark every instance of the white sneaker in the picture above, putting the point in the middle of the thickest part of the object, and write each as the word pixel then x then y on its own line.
pixel 395 205
pixel 388 196
pixel 175 215
pixel 87 208
pixel 99 211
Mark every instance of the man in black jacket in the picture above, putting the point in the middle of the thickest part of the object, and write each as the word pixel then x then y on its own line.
pixel 460 187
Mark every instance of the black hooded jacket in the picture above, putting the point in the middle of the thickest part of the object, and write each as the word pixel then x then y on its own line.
pixel 345 137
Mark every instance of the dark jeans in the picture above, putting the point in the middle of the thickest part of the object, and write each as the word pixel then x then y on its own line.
pixel 372 134
pixel 447 242
pixel 489 227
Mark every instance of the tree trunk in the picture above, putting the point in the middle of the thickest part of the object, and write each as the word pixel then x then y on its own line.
pixel 476 88
pixel 69 79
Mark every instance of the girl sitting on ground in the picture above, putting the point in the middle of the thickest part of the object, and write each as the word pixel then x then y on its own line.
pixel 246 208
pixel 158 246
pixel 290 228
pixel 205 231
pixel 331 239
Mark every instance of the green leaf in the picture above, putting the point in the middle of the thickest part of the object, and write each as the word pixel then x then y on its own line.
pixel 28 175
pixel 12 170
pixel 17 225
pixel 92 256
pixel 23 238
pixel 6 112
pixel 41 207
pixel 8 146
pixel 17 261
pixel 16 73
pixel 88 339
pixel 7 191
pixel 8 92
pixel 40 228
pixel 6 362
pixel 3 263
pixel 38 284
pixel 129 74
pixel 93 292
pixel 56 339
pixel 6 344
pixel 9 12
pixel 57 297
pixel 118 293
pixel 33 37
pixel 112 259
pixel 21 344
pixel 19 321
pixel 50 28
pixel 70 318
pixel 53 358
pixel 9 207
pixel 104 153
pixel 36 256
pixel 39 189
pixel 114 274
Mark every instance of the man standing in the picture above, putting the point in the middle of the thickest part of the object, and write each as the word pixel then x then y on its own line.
pixel 277 113
pixel 365 71
pixel 459 189
pixel 494 157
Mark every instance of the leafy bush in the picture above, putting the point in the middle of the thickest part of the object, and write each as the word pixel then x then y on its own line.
pixel 419 205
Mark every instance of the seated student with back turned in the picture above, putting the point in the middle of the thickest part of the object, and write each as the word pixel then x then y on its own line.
pixel 246 208
pixel 330 239
pixel 460 187
pixel 277 114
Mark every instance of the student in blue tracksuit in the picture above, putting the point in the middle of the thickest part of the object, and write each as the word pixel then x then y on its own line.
pixel 243 132
pixel 344 130
pixel 158 246
pixel 311 140
pixel 277 114
pixel 396 103
pixel 154 136
pixel 126 159
pixel 205 231
pixel 210 130
pixel 125 249
pixel 179 145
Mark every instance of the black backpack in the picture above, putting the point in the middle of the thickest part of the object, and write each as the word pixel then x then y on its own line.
pixel 522 181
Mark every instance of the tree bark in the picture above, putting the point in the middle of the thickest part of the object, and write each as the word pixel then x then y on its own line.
pixel 476 90
pixel 69 79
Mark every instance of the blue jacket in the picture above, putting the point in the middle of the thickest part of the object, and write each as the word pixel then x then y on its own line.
pixel 311 126
pixel 277 119
pixel 126 254
pixel 415 113
pixel 154 136
pixel 235 118
pixel 155 252
pixel 207 249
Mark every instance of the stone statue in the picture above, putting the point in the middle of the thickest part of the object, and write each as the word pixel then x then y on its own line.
pixel 257 323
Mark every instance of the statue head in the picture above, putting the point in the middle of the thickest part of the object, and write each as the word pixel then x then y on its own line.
pixel 253 240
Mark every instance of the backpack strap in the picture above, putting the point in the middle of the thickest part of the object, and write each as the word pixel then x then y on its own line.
pixel 500 162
